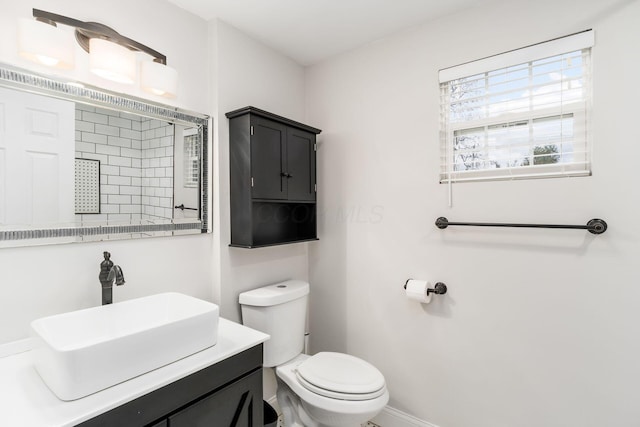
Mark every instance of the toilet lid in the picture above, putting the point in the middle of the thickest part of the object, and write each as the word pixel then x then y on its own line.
pixel 340 376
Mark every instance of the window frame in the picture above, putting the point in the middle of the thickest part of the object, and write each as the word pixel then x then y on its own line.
pixel 580 112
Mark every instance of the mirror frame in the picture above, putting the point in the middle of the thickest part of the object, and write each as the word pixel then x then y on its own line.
pixel 20 79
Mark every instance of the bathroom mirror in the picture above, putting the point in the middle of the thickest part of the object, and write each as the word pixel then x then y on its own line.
pixel 79 164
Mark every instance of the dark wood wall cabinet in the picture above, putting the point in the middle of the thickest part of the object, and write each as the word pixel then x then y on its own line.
pixel 228 393
pixel 273 179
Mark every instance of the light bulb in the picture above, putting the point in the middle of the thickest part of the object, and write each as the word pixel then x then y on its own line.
pixel 47 60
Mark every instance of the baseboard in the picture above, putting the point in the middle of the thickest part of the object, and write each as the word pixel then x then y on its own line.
pixel 391 417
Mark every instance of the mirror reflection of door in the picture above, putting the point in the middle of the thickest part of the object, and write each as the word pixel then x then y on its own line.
pixel 186 189
pixel 36 159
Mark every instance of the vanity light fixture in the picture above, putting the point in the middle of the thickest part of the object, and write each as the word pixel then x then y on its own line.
pixel 158 79
pixel 112 61
pixel 45 43
pixel 111 55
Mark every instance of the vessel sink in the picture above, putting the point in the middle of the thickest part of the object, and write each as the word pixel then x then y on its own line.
pixel 82 352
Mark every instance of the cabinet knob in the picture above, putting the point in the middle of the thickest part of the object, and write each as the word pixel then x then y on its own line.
pixel 286 175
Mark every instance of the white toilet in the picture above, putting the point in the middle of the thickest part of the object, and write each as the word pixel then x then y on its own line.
pixel 327 389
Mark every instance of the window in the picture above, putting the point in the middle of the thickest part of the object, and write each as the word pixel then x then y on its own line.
pixel 191 158
pixel 521 114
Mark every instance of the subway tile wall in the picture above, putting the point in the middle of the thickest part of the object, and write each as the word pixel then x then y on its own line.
pixel 136 164
pixel 157 167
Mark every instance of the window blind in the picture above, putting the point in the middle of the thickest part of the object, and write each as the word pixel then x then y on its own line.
pixel 521 114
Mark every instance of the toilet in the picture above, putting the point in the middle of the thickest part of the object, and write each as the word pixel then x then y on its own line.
pixel 326 389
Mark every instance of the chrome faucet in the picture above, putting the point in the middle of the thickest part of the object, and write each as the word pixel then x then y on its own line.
pixel 108 273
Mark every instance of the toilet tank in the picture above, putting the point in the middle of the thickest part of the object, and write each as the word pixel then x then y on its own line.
pixel 279 310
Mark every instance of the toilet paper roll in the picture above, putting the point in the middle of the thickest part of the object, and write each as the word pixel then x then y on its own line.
pixel 417 290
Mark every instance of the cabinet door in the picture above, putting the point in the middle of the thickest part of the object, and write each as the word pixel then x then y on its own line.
pixel 237 405
pixel 301 165
pixel 268 157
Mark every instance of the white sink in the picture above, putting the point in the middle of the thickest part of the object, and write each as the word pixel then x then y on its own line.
pixel 85 351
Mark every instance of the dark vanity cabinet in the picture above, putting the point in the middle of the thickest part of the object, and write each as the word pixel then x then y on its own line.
pixel 226 394
pixel 272 178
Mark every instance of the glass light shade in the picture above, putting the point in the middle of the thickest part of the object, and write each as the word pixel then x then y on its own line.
pixel 112 61
pixel 45 44
pixel 158 79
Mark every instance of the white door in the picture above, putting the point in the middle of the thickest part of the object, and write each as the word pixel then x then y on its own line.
pixel 37 150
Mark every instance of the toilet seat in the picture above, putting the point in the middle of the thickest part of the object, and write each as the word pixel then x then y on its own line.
pixel 313 402
pixel 340 376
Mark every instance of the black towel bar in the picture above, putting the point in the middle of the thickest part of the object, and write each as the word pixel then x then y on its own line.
pixel 182 208
pixel 594 226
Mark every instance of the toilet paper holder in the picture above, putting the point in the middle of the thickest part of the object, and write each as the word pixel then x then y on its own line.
pixel 439 288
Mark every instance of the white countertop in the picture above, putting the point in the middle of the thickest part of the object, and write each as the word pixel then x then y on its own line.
pixel 27 402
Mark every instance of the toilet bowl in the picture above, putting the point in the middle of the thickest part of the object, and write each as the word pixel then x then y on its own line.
pixel 311 405
pixel 326 389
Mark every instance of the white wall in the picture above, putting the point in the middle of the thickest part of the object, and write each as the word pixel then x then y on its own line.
pixel 249 73
pixel 539 327
pixel 39 281
pixel 220 69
